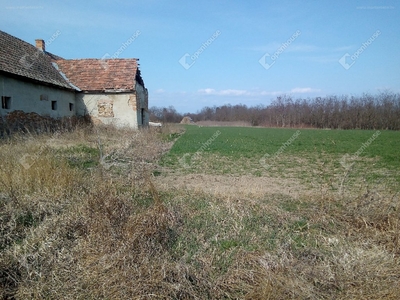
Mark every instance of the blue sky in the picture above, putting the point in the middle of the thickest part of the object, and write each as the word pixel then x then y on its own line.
pixel 205 53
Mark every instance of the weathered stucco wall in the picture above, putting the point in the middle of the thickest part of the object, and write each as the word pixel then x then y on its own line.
pixel 33 97
pixel 116 109
pixel 120 109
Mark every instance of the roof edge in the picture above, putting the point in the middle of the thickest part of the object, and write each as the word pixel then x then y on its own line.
pixel 65 77
pixel 32 80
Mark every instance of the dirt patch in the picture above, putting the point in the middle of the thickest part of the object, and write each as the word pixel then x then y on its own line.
pixel 226 123
pixel 231 186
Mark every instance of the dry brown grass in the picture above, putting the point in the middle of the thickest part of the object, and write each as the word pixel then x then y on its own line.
pixel 80 218
pixel 88 233
pixel 222 123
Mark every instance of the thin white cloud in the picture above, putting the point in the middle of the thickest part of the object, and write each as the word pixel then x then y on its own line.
pixel 304 90
pixel 342 48
pixel 293 47
pixel 232 92
pixel 302 48
pixel 207 91
pixel 299 47
pixel 331 58
pixel 229 92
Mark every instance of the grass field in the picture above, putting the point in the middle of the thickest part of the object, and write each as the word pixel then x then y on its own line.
pixel 312 155
pixel 237 142
pixel 200 213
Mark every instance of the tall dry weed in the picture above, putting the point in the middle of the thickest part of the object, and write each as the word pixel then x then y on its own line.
pixel 103 231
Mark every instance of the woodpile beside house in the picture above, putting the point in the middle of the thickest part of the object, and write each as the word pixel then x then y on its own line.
pixel 18 121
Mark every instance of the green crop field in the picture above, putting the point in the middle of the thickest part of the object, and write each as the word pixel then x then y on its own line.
pixel 371 155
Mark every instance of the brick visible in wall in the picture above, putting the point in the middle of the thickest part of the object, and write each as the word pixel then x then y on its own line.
pixel 132 102
pixel 105 108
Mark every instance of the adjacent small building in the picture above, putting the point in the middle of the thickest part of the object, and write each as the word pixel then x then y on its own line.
pixel 32 80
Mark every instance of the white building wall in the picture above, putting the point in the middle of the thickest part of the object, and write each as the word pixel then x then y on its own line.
pixel 26 96
pixel 117 109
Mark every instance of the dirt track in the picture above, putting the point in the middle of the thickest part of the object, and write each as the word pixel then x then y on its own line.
pixel 231 185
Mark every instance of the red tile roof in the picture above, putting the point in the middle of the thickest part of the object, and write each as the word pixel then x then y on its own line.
pixel 101 74
pixel 22 59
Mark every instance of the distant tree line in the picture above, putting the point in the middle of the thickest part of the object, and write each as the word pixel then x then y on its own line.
pixel 165 114
pixel 381 111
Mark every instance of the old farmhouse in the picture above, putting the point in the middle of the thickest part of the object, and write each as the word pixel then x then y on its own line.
pixel 32 80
